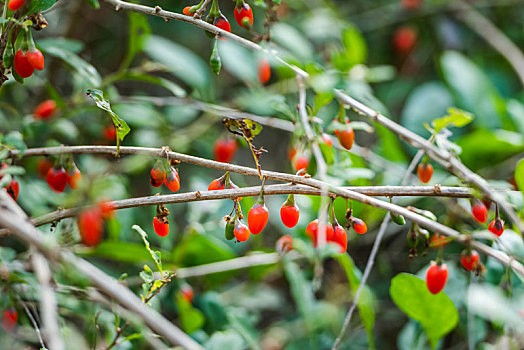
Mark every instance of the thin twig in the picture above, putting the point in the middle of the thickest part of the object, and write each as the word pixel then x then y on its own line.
pixel 119 331
pixel 33 321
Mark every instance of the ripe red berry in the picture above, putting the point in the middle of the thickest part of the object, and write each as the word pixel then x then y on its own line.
pixel 284 244
pixel 13 188
pixel 222 23
pixel 359 226
pixel 9 319
pixel 404 40
pixel 410 4
pixel 45 110
pixel 257 218
pixel 424 172
pixel 469 261
pixel 186 11
pixel 346 137
pixel 340 237
pixel 109 133
pixel 496 226
pixel 22 65
pixel 264 72
pixel 187 292
pixel 479 211
pixel 35 58
pixel 161 225
pixel 289 215
pixel 90 225
pixel 241 232
pixel 216 184
pixel 57 179
pixel 15 4
pixel 436 277
pixel 313 234
pixel 173 180
pixel 224 150
pixel 244 16
pixel 107 208
pixel 301 162
pixel 42 167
pixel 157 175
pixel 74 177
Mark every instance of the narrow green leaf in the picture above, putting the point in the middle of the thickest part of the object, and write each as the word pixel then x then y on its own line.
pixel 154 255
pixel 455 117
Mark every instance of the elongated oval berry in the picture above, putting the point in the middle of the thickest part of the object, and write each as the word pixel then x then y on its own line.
pixel 157 175
pixel 289 215
pixel 9 319
pixel 73 178
pixel 188 11
pixel 284 244
pixel 57 179
pixel 45 110
pixel 187 292
pixel 13 188
pixel 216 184
pixel 224 150
pixel 22 65
pixel 35 58
pixel 257 218
pixel 222 23
pixel 161 225
pixel 346 137
pixel 173 180
pixel 479 212
pixel 469 261
pixel 264 72
pixel 404 40
pixel 313 234
pixel 359 226
pixel 15 4
pixel 241 232
pixel 437 241
pixel 301 162
pixel 496 227
pixel 90 225
pixel 42 167
pixel 436 277
pixel 244 16
pixel 340 237
pixel 107 208
pixel 109 133
pixel 229 232
pixel 424 172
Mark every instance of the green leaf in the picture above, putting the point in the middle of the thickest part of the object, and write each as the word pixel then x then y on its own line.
pixel 94 4
pixel 519 175
pixel 191 319
pixel 292 40
pixel 139 31
pixel 154 254
pixel 456 117
pixel 436 312
pixel 302 293
pixel 366 304
pixel 355 47
pixel 229 340
pixel 15 140
pixel 40 5
pixel 122 129
pixel 71 45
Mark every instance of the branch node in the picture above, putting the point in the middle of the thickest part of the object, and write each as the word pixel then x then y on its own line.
pixel 158 9
pixel 198 194
pixel 437 188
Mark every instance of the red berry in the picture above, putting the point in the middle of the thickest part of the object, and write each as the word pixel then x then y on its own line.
pixel 479 212
pixel 496 226
pixel 173 180
pixel 74 178
pixel 241 232
pixel 436 277
pixel 264 72
pixel 257 218
pixel 186 11
pixel 224 150
pixel 244 16
pixel 284 244
pixel 42 167
pixel 359 226
pixel 410 4
pixel 340 237
pixel 9 319
pixel 35 58
pixel 222 23
pixel 469 261
pixel 161 225
pixel 187 292
pixel 45 110
pixel 289 215
pixel 157 175
pixel 313 234
pixel 107 208
pixel 437 241
pixel 90 225
pixel 404 40
pixel 57 179
pixel 425 172
pixel 15 4
pixel 3 166
pixel 216 184
pixel 13 188
pixel 327 140
pixel 109 133
pixel 346 137
pixel 301 162
pixel 22 65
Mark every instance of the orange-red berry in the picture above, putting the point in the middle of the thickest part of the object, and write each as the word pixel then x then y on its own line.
pixel 257 218
pixel 90 225
pixel 45 110
pixel 425 172
pixel 161 225
pixel 436 277
pixel 469 261
pixel 224 150
pixel 241 232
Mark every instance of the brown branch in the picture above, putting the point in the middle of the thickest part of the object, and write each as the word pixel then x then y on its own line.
pixel 119 331
pixel 24 230
pixel 446 159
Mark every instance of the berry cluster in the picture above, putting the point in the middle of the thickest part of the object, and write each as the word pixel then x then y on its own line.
pixel 58 176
